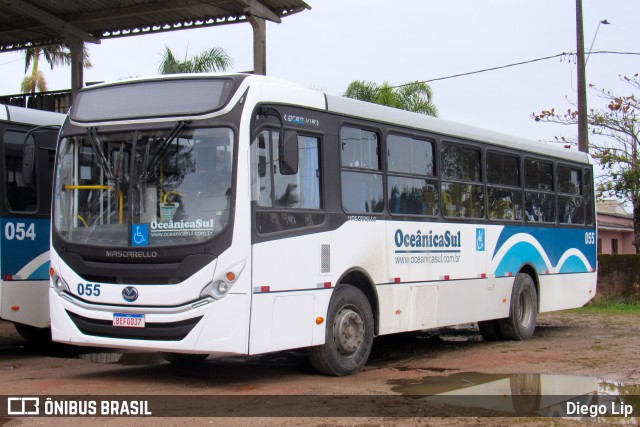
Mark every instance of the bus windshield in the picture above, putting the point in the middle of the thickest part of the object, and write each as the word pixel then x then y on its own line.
pixel 144 187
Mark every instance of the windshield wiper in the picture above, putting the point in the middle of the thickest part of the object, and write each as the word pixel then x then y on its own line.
pixel 163 149
pixel 97 147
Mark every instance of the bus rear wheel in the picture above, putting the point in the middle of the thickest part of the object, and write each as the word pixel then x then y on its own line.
pixel 348 336
pixel 523 312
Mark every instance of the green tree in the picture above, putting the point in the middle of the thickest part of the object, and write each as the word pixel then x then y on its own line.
pixel 617 147
pixel 211 60
pixel 413 96
pixel 54 55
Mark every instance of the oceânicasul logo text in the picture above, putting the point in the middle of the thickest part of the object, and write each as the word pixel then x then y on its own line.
pixel 428 239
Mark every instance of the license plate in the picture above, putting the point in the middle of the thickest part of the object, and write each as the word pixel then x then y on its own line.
pixel 128 320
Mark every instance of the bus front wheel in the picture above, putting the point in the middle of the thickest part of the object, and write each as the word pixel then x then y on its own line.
pixel 348 336
pixel 523 311
pixel 35 336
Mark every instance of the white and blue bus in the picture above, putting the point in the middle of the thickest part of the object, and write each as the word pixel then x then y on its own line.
pixel 204 214
pixel 28 142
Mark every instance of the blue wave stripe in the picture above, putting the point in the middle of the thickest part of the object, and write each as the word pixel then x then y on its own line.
pixel 555 243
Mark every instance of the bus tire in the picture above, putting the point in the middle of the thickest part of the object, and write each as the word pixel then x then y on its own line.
pixel 348 336
pixel 523 311
pixel 184 358
pixel 35 336
pixel 490 330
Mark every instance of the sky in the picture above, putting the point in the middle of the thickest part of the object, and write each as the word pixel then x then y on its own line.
pixel 339 41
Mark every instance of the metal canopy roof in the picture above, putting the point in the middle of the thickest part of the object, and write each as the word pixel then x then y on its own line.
pixel 36 23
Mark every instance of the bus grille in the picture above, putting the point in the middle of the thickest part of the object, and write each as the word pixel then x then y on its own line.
pixel 173 331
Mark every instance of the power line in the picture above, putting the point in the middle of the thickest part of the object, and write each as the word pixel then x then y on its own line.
pixel 15 60
pixel 545 58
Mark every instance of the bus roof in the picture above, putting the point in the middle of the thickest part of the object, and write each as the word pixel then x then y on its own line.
pixel 10 113
pixel 393 116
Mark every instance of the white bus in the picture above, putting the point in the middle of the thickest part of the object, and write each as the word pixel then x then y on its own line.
pixel 27 143
pixel 206 214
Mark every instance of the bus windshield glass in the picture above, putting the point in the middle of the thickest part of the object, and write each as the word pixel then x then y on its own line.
pixel 144 187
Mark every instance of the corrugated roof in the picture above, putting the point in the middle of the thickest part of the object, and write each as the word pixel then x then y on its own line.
pixel 41 22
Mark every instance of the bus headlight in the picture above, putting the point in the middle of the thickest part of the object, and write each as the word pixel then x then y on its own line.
pixel 216 290
pixel 220 287
pixel 59 285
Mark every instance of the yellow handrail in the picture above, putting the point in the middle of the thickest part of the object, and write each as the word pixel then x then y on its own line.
pixel 100 187
pixel 82 220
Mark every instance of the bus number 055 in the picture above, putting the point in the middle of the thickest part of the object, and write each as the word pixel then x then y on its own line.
pixel 589 238
pixel 89 289
pixel 19 231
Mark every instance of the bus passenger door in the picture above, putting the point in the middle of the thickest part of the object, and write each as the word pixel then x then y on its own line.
pixel 288 247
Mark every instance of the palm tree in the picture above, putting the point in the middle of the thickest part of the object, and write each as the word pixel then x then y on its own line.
pixel 214 59
pixel 57 54
pixel 413 96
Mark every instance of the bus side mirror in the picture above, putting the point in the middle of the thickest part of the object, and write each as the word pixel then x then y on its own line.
pixel 28 162
pixel 288 153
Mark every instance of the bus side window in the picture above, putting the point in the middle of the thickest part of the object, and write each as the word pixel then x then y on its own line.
pixel 571 209
pixel 462 180
pixel 362 183
pixel 411 185
pixel 540 200
pixel 503 187
pixel 19 192
pixel 290 192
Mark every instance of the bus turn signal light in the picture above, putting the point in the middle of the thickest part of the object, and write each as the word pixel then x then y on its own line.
pixel 319 320
pixel 15 308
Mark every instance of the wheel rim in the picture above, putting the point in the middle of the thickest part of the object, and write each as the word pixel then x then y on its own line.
pixel 524 309
pixel 348 331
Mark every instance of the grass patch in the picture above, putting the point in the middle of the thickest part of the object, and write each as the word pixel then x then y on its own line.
pixel 611 308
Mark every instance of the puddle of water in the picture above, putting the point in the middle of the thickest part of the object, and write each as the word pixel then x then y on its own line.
pixel 407 369
pixel 461 338
pixel 459 333
pixel 11 347
pixel 101 357
pixel 129 359
pixel 530 394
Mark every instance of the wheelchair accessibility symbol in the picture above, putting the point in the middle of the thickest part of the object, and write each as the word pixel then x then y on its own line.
pixel 140 235
pixel 480 239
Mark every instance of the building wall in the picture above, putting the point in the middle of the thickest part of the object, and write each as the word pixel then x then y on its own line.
pixel 56 101
pixel 625 239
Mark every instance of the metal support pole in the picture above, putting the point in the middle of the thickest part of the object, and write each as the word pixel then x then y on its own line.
pixel 583 125
pixel 259 26
pixel 77 65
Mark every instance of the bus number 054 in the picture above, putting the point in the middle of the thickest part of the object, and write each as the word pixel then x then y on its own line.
pixel 20 231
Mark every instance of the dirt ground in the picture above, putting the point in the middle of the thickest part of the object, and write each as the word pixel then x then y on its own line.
pixel 571 349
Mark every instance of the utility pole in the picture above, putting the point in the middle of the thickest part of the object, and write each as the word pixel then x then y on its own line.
pixel 583 126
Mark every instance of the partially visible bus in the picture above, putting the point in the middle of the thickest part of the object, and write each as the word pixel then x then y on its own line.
pixel 242 214
pixel 27 143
